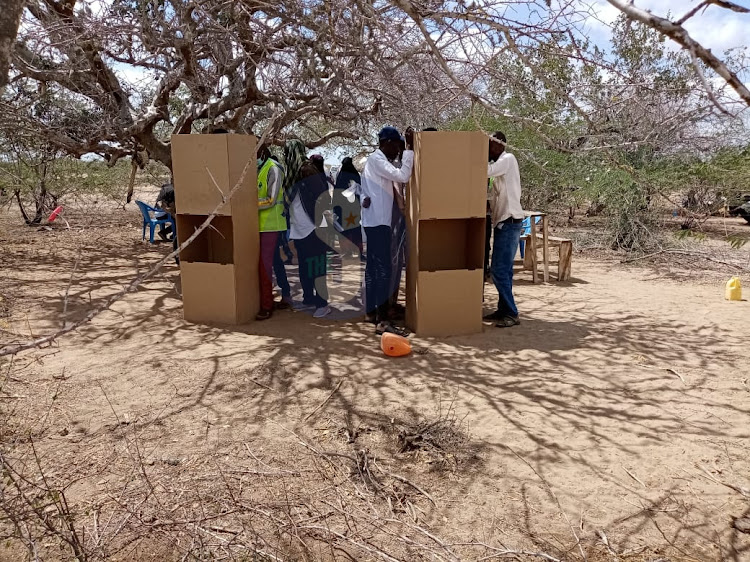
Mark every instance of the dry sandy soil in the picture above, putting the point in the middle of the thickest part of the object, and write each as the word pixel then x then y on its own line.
pixel 613 423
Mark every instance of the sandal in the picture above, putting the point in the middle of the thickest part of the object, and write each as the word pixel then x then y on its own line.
pixel 508 322
pixel 388 327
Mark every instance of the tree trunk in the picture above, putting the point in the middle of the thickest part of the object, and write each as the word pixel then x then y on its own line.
pixel 10 16
pixel 40 198
pixel 26 218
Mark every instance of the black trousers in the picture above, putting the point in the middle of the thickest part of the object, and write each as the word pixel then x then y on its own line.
pixel 378 270
pixel 312 258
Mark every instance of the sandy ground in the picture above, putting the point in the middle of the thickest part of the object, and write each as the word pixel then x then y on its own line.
pixel 620 407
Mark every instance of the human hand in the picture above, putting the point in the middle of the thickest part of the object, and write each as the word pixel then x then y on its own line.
pixel 366 203
pixel 409 138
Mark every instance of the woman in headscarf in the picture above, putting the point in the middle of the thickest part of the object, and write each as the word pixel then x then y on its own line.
pixel 305 190
pixel 347 209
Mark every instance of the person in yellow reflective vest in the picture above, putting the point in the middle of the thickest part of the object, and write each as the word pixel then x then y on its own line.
pixel 271 221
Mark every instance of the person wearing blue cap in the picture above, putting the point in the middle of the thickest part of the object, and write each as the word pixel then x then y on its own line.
pixel 377 209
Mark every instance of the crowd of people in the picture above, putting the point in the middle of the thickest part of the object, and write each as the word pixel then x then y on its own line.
pixel 296 198
pixel 299 202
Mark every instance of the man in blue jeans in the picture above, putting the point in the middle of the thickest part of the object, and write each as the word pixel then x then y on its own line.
pixel 507 216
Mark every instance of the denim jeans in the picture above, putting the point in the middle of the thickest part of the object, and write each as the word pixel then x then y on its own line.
pixel 506 238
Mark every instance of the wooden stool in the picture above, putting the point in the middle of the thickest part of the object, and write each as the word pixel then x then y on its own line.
pixel 565 252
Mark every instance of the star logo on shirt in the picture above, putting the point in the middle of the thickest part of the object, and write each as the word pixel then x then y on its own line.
pixel 351 220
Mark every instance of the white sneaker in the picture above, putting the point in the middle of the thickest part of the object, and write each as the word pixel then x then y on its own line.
pixel 322 311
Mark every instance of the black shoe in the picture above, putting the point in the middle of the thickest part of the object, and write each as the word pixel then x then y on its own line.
pixel 263 315
pixel 508 322
pixel 163 236
pixel 497 315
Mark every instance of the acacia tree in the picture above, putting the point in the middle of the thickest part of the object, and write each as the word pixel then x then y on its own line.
pixel 137 71
pixel 245 66
pixel 10 16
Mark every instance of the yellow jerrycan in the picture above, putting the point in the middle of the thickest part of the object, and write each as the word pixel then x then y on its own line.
pixel 734 289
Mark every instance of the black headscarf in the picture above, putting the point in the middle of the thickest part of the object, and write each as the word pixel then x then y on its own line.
pixel 347 173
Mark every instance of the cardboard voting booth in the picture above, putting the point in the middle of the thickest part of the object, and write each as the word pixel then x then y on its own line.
pixel 219 269
pixel 446 202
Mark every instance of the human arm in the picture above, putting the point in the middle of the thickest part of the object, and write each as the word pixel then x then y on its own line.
pixel 274 185
pixel 383 168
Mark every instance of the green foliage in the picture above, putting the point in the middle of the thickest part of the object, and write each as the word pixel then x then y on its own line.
pixel 737 241
pixel 613 139
pixel 67 175
pixel 688 234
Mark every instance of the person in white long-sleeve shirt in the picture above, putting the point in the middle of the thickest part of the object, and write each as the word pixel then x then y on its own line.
pixel 377 210
pixel 507 216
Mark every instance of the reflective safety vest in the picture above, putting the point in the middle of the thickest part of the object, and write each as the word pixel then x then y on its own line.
pixel 271 219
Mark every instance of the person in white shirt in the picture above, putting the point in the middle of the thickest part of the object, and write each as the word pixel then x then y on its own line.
pixel 507 216
pixel 307 190
pixel 377 210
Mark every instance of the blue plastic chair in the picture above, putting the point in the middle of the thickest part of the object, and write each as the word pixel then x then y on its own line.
pixel 526 225
pixel 153 217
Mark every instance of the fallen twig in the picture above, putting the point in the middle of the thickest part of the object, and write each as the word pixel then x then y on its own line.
pixel 676 373
pixel 634 477
pixel 308 416
pixel 557 501
pixel 742 491
pixel 700 255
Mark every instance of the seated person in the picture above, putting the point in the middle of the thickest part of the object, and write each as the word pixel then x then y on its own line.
pixel 165 202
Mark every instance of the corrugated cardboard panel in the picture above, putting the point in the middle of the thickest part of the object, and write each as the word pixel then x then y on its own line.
pixel 412 256
pixel 451 244
pixel 241 151
pixel 193 157
pixel 208 293
pixel 240 154
pixel 246 260
pixel 449 303
pixel 214 244
pixel 450 178
pixel 479 156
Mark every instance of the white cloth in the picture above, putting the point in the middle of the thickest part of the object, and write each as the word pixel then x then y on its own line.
pixel 352 191
pixel 505 197
pixel 300 224
pixel 377 184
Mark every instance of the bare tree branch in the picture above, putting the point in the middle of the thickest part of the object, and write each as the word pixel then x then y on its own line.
pixel 677 33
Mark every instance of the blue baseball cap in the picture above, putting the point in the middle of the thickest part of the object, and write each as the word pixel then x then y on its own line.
pixel 389 134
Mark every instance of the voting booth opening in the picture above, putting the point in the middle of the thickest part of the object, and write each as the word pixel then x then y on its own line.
pixel 219 269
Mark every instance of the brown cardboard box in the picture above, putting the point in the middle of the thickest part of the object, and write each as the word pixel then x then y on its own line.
pixel 446 203
pixel 450 174
pixel 219 269
pixel 206 166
